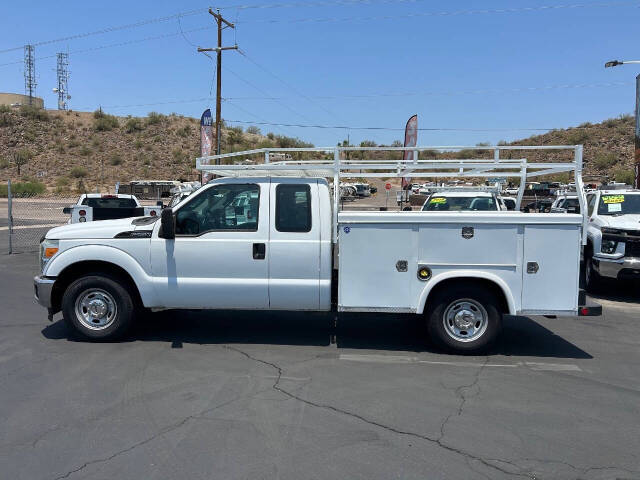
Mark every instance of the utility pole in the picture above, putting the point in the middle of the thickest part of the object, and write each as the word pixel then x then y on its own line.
pixel 636 156
pixel 220 21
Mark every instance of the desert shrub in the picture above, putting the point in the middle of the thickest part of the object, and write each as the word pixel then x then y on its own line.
pixel 610 122
pixel 133 125
pixel 115 160
pixel 103 122
pixel 62 182
pixel 577 137
pixel 271 136
pixel 23 189
pixel 85 151
pixel 138 144
pixel 155 118
pixel 74 144
pixel 624 175
pixel 585 125
pixel 95 142
pixel 184 132
pixel 604 160
pixel 146 162
pixel 253 130
pixel 5 108
pixel 33 113
pixel 78 172
pixel 4 163
pixel 6 119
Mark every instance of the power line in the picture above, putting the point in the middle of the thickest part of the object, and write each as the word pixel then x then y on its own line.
pixel 267 95
pixel 453 93
pixel 287 84
pixel 451 13
pixel 111 29
pixel 342 127
pixel 119 44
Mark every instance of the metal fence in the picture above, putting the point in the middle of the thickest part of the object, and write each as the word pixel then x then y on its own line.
pixel 25 218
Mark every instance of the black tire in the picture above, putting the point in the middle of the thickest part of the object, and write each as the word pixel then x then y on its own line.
pixel 479 301
pixel 104 291
pixel 592 279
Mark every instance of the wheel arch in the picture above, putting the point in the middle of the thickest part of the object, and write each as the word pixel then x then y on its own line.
pixel 484 280
pixel 78 261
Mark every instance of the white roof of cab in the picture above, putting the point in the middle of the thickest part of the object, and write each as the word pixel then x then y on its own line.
pixel 462 194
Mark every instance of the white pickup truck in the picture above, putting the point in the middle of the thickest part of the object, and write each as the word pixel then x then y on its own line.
pixel 613 246
pixel 96 206
pixel 269 242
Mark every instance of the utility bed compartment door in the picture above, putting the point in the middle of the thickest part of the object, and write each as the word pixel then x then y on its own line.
pixel 370 276
pixel 551 268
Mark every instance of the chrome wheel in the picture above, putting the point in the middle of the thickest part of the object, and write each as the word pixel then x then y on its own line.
pixel 96 309
pixel 465 320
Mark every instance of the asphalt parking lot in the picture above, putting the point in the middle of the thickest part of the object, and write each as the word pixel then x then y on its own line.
pixel 271 395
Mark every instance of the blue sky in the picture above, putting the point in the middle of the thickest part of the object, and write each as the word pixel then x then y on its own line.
pixel 457 64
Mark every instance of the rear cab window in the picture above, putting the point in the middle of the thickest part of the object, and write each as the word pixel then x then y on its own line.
pixel 293 208
pixel 110 202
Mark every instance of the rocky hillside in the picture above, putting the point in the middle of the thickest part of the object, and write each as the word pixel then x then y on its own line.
pixel 78 151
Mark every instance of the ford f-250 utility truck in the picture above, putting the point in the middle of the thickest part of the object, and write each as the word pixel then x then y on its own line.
pixel 265 237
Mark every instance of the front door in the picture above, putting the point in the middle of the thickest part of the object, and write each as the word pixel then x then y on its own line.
pixel 219 258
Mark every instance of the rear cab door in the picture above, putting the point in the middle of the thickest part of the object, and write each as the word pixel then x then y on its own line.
pixel 294 244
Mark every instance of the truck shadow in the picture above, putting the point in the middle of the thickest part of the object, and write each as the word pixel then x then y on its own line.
pixel 521 335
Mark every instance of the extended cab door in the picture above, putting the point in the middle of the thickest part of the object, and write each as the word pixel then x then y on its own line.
pixel 219 256
pixel 294 246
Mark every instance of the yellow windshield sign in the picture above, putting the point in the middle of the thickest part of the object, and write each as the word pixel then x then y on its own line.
pixel 438 200
pixel 607 199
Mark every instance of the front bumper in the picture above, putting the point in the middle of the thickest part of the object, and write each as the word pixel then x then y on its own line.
pixel 626 268
pixel 43 287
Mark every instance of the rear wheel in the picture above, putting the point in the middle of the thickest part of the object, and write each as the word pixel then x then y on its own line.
pixel 97 307
pixel 464 318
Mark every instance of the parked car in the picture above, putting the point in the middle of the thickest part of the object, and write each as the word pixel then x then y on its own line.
pixel 566 203
pixel 462 201
pixel 96 206
pixel 542 205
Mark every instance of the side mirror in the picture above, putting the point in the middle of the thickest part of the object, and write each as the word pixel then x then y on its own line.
pixel 167 225
pixel 66 210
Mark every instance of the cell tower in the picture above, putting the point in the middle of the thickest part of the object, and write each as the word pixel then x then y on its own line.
pixel 63 81
pixel 29 73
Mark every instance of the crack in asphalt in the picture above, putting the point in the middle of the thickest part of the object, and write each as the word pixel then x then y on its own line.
pixel 437 441
pixel 163 431
pixel 460 393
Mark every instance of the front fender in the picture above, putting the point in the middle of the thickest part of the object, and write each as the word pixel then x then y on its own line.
pixel 462 274
pixel 108 254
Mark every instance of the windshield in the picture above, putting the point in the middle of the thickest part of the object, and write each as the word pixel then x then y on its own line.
pixel 110 202
pixel 459 204
pixel 619 204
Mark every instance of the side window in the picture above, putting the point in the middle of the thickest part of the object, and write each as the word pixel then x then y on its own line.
pixel 591 202
pixel 293 208
pixel 221 208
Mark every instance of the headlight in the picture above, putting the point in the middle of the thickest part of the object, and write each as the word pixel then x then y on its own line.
pixel 48 248
pixel 609 246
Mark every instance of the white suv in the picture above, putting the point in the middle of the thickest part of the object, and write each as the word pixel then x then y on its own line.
pixel 613 233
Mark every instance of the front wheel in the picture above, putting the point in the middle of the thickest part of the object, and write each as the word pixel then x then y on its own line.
pixel 592 279
pixel 464 319
pixel 97 307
